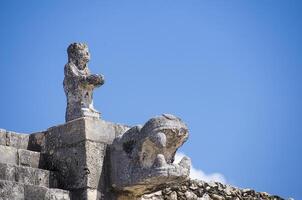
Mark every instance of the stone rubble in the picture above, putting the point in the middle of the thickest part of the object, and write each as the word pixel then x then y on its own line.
pixel 200 190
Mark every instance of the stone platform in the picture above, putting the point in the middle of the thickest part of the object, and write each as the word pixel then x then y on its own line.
pixel 63 162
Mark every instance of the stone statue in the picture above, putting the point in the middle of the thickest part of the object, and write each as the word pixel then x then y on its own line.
pixel 142 158
pixel 79 83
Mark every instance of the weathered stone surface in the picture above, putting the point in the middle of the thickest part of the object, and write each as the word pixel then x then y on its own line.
pixel 31 192
pixel 69 162
pixel 7 172
pixel 28 158
pixel 8 155
pixel 79 130
pixel 2 137
pixel 79 83
pixel 76 150
pixel 95 153
pixel 11 191
pixel 142 158
pixel 17 140
pixel 32 141
pixel 27 175
pixel 159 196
pixel 42 193
pixel 79 166
pixel 57 194
pixel 11 155
pixel 88 194
pixel 36 141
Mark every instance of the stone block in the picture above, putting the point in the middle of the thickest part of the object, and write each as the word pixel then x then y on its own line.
pixel 11 191
pixel 76 150
pixel 32 192
pixel 79 166
pixel 79 130
pixel 88 194
pixel 95 154
pixel 28 158
pixel 17 140
pixel 7 172
pixel 99 131
pixel 120 129
pixel 8 155
pixel 36 141
pixel 2 137
pixel 70 164
pixel 11 155
pixel 45 178
pixel 56 194
pixel 27 175
pixel 65 135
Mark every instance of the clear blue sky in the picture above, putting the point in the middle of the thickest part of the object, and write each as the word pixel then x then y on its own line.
pixel 232 70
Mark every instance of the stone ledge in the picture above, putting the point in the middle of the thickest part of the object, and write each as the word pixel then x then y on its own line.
pixel 11 155
pixel 32 141
pixel 28 175
pixel 79 130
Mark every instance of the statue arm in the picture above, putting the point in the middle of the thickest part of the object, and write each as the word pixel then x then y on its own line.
pixel 95 79
pixel 91 79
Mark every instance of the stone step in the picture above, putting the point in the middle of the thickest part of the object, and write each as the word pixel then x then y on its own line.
pixel 11 155
pixel 31 142
pixel 28 175
pixel 10 190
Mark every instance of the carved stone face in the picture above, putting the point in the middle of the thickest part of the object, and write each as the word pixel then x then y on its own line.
pixel 165 134
pixel 78 54
pixel 142 159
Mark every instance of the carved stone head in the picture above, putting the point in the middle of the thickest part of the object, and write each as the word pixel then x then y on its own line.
pixel 78 54
pixel 142 159
pixel 165 134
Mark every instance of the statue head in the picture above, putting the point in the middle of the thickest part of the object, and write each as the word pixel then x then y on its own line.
pixel 142 159
pixel 165 134
pixel 78 54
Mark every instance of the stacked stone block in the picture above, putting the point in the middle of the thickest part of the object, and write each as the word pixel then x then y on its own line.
pixel 77 151
pixel 21 176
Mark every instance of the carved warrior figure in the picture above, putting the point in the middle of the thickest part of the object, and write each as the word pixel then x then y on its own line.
pixel 142 158
pixel 79 83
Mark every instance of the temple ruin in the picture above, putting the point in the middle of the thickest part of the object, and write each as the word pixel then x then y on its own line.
pixel 88 158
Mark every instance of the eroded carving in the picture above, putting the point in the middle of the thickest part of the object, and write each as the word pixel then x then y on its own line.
pixel 142 158
pixel 79 83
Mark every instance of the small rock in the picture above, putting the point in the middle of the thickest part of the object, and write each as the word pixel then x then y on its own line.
pixel 183 188
pixel 193 187
pixel 173 196
pixel 212 184
pixel 190 195
pixel 217 197
pixel 205 197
